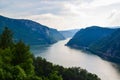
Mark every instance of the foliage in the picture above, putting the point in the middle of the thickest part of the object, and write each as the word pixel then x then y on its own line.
pixel 56 72
pixel 17 63
pixel 6 38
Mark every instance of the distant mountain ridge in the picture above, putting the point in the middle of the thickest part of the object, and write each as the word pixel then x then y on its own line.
pixel 85 37
pixel 30 31
pixel 69 33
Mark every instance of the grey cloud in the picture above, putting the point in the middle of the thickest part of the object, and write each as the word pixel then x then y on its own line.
pixel 31 6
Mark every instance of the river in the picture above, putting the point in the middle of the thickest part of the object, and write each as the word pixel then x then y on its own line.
pixel 60 54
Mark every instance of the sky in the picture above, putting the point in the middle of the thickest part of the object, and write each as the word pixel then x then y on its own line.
pixel 64 14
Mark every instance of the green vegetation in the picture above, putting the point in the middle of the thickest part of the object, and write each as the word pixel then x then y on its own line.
pixel 17 63
pixel 42 67
pixel 6 39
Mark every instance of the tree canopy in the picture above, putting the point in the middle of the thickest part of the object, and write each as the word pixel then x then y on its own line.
pixel 6 38
pixel 18 63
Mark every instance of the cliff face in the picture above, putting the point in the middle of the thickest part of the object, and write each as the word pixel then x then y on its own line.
pixel 30 32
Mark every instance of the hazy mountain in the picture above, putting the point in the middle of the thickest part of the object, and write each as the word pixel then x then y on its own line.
pixel 30 31
pixel 69 33
pixel 108 47
pixel 87 36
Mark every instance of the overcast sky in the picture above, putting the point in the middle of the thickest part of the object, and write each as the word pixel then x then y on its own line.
pixel 64 14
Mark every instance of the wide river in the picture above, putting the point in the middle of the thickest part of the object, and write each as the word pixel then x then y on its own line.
pixel 60 54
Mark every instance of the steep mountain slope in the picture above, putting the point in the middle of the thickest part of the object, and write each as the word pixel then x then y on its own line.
pixel 87 36
pixel 69 33
pixel 30 32
pixel 108 47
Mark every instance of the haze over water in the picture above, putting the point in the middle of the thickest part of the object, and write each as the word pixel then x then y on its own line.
pixel 60 54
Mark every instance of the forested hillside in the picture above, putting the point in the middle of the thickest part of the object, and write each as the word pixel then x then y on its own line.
pixel 108 47
pixel 18 63
pixel 89 35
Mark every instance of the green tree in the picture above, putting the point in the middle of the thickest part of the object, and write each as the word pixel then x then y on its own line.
pixel 5 64
pixel 54 76
pixel 23 57
pixel 18 73
pixel 6 38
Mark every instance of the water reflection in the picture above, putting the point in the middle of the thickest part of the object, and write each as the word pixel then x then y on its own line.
pixel 67 57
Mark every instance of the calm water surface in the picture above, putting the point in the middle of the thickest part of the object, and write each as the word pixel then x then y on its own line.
pixel 67 57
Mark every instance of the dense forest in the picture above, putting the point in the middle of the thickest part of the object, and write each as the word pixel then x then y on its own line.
pixel 18 63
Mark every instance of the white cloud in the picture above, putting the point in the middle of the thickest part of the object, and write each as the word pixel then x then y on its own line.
pixel 115 18
pixel 97 3
pixel 64 14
